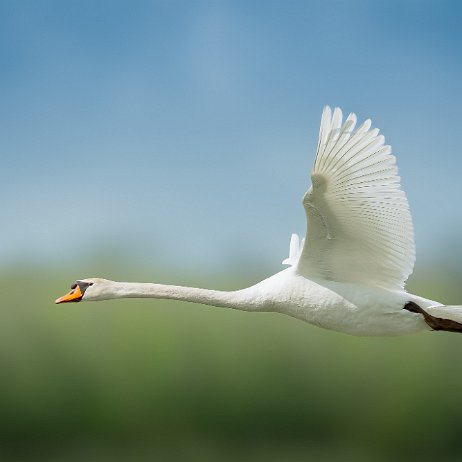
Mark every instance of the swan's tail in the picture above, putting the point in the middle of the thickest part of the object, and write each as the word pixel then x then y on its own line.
pixel 442 317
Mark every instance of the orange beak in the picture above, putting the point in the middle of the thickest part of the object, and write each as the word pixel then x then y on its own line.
pixel 75 295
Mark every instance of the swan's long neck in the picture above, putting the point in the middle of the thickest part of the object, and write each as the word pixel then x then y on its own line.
pixel 240 299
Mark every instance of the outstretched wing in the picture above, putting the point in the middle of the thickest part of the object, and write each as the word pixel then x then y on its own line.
pixel 359 225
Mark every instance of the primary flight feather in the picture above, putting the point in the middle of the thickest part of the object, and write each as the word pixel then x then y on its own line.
pixel 349 273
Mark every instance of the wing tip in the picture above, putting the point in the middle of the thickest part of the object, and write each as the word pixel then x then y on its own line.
pixel 331 117
pixel 295 248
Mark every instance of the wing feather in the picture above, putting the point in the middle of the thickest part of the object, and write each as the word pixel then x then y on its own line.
pixel 359 224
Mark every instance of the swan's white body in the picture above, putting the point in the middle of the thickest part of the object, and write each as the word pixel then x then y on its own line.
pixel 349 273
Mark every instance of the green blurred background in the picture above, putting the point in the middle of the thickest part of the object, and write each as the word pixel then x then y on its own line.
pixel 170 141
pixel 153 380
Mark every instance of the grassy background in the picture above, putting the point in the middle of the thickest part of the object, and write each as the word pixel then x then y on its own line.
pixel 157 380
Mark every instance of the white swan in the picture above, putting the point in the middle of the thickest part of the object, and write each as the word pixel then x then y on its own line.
pixel 350 272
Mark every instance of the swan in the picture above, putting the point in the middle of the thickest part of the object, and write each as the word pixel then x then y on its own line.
pixel 349 273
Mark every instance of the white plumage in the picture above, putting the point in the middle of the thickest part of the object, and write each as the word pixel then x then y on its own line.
pixel 360 228
pixel 349 273
pixel 295 250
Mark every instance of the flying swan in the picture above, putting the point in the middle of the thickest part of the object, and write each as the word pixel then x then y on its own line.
pixel 349 273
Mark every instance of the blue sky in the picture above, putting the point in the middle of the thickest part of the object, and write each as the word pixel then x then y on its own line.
pixel 182 133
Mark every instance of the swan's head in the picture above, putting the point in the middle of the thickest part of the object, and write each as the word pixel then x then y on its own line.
pixel 87 289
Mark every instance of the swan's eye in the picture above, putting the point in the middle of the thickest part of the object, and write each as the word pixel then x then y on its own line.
pixel 90 283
